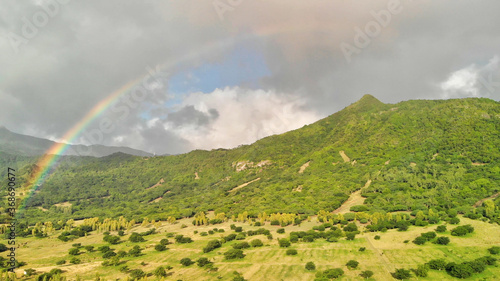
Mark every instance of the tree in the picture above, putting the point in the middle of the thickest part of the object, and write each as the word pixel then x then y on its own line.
pixel 74 251
pixel 284 243
pixel 333 273
pixel 242 245
pixel 310 266
pixel 401 274
pixel 352 264
pixel 234 254
pixel 351 227
pixel 135 251
pixel 256 243
pixel 137 273
pixel 109 254
pixel 366 274
pixel 160 272
pixel 442 240
pixel 350 235
pixel 462 270
pixel 212 245
pixel 111 239
pixel 3 248
pixel 186 262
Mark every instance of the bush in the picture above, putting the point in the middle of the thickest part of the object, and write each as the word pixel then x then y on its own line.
pixel 111 239
pixel 462 270
pixel 495 250
pixel 352 264
pixel 441 228
pixel 401 274
pixel 350 235
pixel 135 251
pixel 366 274
pixel 462 230
pixel 61 262
pixel 181 239
pixel 377 237
pixel 109 254
pixel 256 243
pixel 160 272
pixel 212 245
pixel 242 245
pixel 121 233
pixel 104 249
pixel 333 273
pixel 136 237
pixel 421 271
pixel 74 260
pixel 310 266
pixel 429 235
pixel 238 229
pixel 442 240
pixel 351 227
pixel 291 252
pixel 280 230
pixel 160 247
pixel 420 240
pixel 89 248
pixel 186 262
pixel 284 243
pixel 137 273
pixel 234 254
pixel 454 220
pixel 362 249
pixel 164 242
pixel 437 264
pixel 74 251
pixel 201 262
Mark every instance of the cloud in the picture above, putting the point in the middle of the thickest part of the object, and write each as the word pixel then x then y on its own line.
pixel 244 116
pixel 472 81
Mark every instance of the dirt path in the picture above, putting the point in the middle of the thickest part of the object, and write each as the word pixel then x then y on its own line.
pixel 354 199
pixel 480 202
pixel 384 260
pixel 243 185
pixel 157 184
pixel 304 167
pixel 344 156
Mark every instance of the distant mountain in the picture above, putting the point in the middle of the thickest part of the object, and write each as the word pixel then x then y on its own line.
pixel 18 144
pixel 414 155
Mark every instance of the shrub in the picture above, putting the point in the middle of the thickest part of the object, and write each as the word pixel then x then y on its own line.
pixel 429 235
pixel 238 229
pixel 421 271
pixel 442 240
pixel 164 242
pixel 291 252
pixel 350 236
pixel 310 266
pixel 186 262
pixel 137 273
pixel 212 245
pixel 352 264
pixel 201 262
pixel 351 227
pixel 420 240
pixel 135 251
pixel 362 249
pixel 181 239
pixel 160 247
pixel 454 220
pixel 366 274
pixel 61 262
pixel 121 233
pixel 495 250
pixel 89 248
pixel 111 239
pixel 284 242
pixel 103 249
pixel 333 273
pixel 136 237
pixel 242 245
pixel 462 230
pixel 437 264
pixel 256 243
pixel 109 254
pixel 234 254
pixel 160 272
pixel 74 260
pixel 441 228
pixel 74 251
pixel 377 237
pixel 401 274
pixel 280 230
pixel 462 270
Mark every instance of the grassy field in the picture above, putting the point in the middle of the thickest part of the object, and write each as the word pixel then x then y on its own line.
pixel 270 261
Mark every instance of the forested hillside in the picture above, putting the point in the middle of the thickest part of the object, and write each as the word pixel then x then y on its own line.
pixel 414 155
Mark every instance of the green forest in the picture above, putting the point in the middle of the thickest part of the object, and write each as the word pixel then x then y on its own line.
pixel 420 155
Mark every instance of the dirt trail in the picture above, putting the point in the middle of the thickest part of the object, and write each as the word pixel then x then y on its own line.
pixel 480 202
pixel 157 184
pixel 354 199
pixel 304 167
pixel 243 185
pixel 387 264
pixel 344 156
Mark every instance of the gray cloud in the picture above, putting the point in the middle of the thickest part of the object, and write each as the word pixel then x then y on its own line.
pixel 89 49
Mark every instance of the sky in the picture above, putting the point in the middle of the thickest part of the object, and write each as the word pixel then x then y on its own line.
pixel 218 74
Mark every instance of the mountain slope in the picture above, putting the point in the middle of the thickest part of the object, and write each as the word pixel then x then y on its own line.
pixel 439 154
pixel 13 143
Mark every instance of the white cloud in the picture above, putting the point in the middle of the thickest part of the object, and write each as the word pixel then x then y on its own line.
pixel 244 117
pixel 471 81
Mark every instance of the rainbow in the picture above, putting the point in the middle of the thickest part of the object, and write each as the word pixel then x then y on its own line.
pixel 50 157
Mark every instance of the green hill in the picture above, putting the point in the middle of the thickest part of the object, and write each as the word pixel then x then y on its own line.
pixel 421 154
